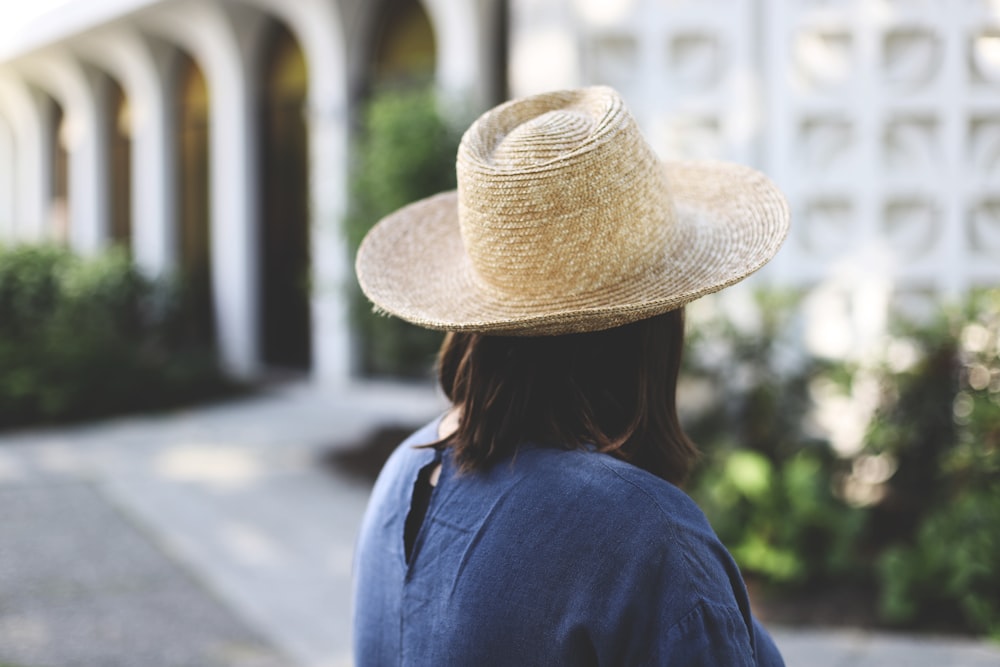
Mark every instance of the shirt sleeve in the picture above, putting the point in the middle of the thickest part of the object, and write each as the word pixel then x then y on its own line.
pixel 710 635
pixel 767 651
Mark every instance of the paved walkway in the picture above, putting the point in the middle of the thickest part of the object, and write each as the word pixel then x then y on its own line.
pixel 212 537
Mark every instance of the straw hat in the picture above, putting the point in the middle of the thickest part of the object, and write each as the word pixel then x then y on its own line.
pixel 565 221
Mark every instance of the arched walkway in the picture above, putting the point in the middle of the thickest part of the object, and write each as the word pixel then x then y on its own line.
pixel 142 64
pixel 79 131
pixel 207 32
pixel 113 84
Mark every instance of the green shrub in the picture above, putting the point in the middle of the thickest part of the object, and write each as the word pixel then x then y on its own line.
pixel 926 534
pixel 781 521
pixel 406 152
pixel 949 572
pixel 29 287
pixel 947 566
pixel 82 338
pixel 914 425
pixel 767 482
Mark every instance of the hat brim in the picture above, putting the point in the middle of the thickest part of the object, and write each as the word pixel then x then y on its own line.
pixel 731 220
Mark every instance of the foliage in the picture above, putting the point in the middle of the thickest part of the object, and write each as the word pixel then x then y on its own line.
pixel 914 425
pixel 948 573
pixel 767 482
pixel 81 338
pixel 948 566
pixel 406 152
pixel 781 520
pixel 925 531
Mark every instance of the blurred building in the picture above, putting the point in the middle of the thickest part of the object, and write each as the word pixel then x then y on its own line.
pixel 213 134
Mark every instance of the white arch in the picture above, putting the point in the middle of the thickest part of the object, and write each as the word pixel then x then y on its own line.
pixel 139 63
pixel 75 87
pixel 458 42
pixel 316 25
pixel 23 108
pixel 207 31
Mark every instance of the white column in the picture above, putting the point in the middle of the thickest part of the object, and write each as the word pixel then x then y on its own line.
pixel 458 36
pixel 76 87
pixel 7 170
pixel 321 34
pixel 139 63
pixel 23 108
pixel 207 32
pixel 331 267
pixel 234 217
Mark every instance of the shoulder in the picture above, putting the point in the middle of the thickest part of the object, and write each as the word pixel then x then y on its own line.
pixel 645 549
pixel 608 487
pixel 639 522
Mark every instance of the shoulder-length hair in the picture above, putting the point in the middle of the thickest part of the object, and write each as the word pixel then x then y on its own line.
pixel 613 390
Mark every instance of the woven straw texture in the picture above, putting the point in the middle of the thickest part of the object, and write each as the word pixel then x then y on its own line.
pixel 565 221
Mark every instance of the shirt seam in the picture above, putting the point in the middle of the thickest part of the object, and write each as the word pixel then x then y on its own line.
pixel 684 554
pixel 663 513
pixel 700 605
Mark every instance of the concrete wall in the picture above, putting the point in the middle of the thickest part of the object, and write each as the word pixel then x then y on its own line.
pixel 880 120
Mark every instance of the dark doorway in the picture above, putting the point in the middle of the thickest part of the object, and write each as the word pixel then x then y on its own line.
pixel 404 47
pixel 58 140
pixel 119 138
pixel 194 240
pixel 285 324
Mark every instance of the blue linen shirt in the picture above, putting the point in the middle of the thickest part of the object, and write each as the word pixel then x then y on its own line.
pixel 550 558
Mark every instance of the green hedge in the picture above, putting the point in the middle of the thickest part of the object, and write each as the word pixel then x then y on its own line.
pixel 765 482
pixel 84 338
pixel 405 152
pixel 925 533
pixel 940 420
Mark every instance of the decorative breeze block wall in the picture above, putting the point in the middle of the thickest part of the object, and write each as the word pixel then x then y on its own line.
pixel 880 119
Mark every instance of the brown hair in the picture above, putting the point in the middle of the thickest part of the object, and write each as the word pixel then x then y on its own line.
pixel 613 389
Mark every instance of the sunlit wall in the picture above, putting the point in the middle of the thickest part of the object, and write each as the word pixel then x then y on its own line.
pixel 879 119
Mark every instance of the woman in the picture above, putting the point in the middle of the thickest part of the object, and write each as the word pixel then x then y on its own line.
pixel 538 522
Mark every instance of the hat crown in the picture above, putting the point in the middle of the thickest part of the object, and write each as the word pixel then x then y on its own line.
pixel 542 139
pixel 564 221
pixel 560 195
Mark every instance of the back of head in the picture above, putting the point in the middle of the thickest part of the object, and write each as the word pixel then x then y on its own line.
pixel 613 390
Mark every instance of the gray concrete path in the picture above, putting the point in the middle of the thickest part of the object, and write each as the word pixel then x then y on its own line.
pixel 82 585
pixel 212 538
